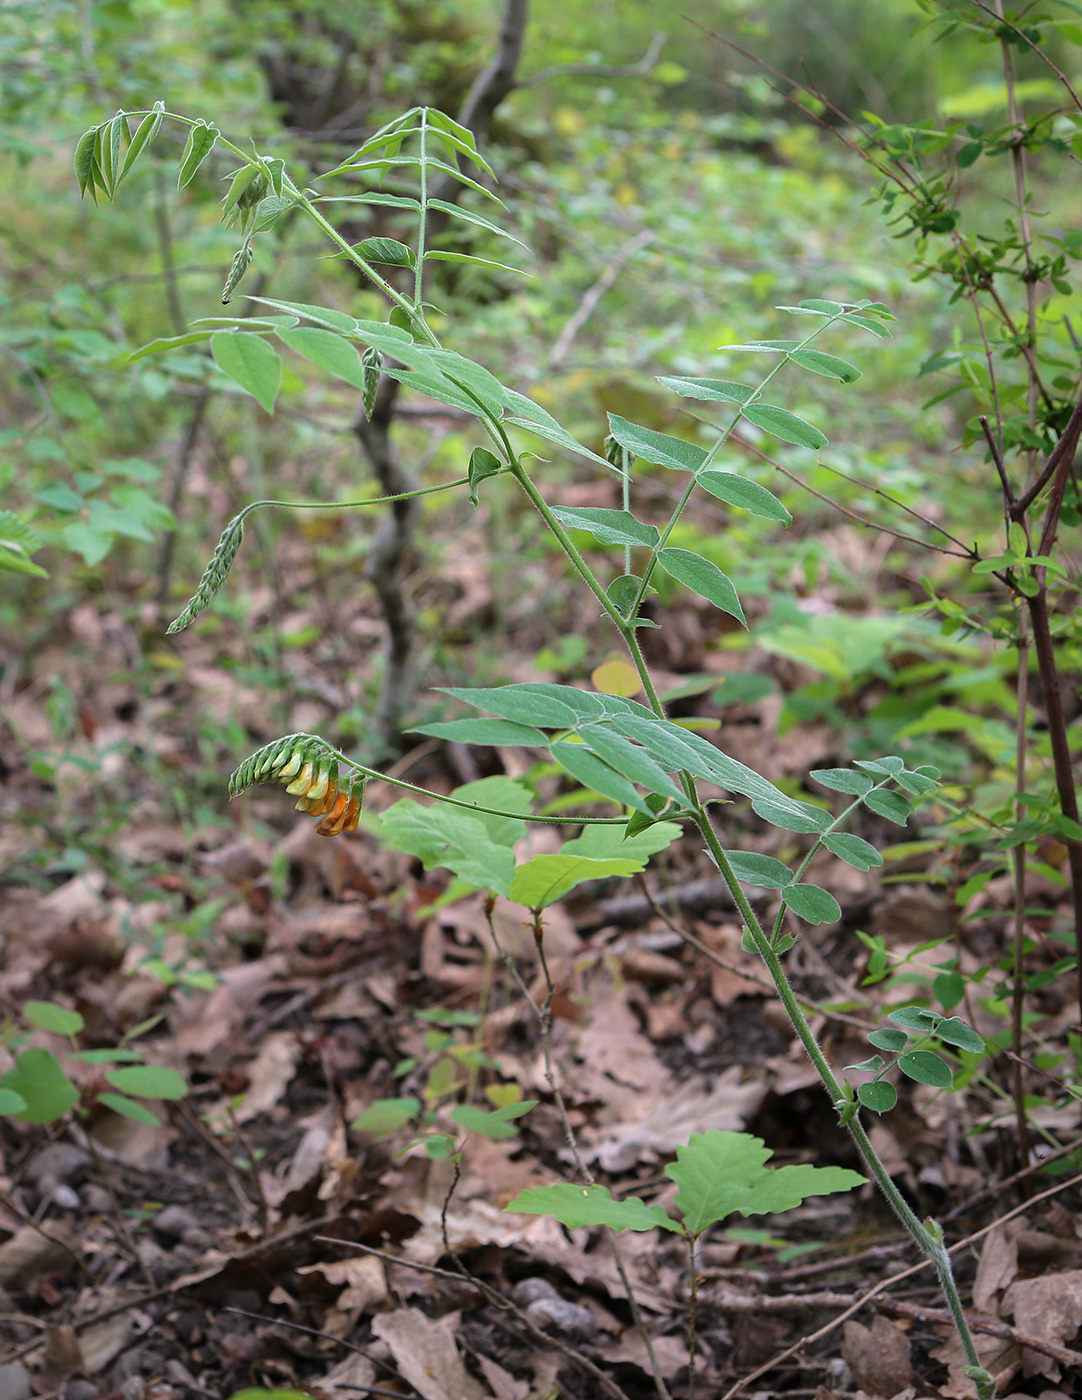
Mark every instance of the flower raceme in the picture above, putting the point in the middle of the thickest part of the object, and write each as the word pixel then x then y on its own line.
pixel 309 772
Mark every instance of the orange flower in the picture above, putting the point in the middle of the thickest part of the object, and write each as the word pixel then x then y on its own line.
pixel 317 792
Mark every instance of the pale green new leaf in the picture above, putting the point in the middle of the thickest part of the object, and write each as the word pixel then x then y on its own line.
pixel 576 1206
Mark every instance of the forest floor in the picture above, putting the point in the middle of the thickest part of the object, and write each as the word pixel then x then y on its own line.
pixel 254 1238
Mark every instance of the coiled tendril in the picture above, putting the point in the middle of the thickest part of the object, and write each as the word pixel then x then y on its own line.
pixel 308 769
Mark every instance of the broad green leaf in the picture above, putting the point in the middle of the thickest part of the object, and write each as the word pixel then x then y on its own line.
pixel 814 306
pixel 890 805
pixel 495 1124
pixel 483 731
pixel 200 143
pixel 575 1206
pixel 250 362
pixel 47 1016
pixel 862 855
pixel 784 1188
pixel 128 1108
pixel 755 869
pixel 676 748
pixel 785 425
pixel 84 162
pixel 715 1173
pixel 437 386
pixel 956 1032
pixel 718 390
pixel 890 1040
pixel 812 904
pixel 483 464
pixel 469 217
pixel 829 365
pixel 148 1082
pixel 11 1104
pixel 545 879
pixel 889 764
pixel 386 1116
pixel 914 1018
pixel 867 324
pixel 775 345
pixel 878 1096
pixel 145 133
pixel 385 250
pixel 609 842
pixel 666 451
pixel 748 495
pixel 442 256
pixel 515 702
pixel 843 780
pixel 450 837
pixel 337 320
pixel 608 526
pixel 596 775
pixel 926 1068
pixel 327 350
pixel 38 1079
pixel 704 578
pixel 630 760
pixel 792 816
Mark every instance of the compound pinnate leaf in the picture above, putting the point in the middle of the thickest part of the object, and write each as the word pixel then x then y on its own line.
pixel 575 1206
pixel 38 1079
pixel 530 707
pixel 914 1018
pixel 386 250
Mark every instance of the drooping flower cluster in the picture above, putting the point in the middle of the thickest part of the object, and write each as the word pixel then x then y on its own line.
pixel 309 772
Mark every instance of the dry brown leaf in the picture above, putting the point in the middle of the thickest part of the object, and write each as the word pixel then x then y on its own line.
pixel 349 1379
pixel 502 1383
pixel 878 1356
pixel 726 983
pixel 1001 1358
pixel 1049 1308
pixel 365 1285
pixel 31 1252
pixel 269 1075
pixel 203 1022
pixel 425 1353
pixel 671 1352
pixel 725 1106
pixel 996 1269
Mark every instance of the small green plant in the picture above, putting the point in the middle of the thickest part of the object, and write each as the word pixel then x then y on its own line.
pixel 37 1089
pixel 654 775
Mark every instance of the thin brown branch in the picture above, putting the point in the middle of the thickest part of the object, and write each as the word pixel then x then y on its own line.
pixel 1036 48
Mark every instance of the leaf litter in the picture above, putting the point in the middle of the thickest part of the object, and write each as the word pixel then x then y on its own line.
pixel 290 977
